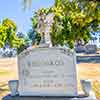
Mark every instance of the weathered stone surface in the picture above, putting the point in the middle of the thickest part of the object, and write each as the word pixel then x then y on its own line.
pixel 47 72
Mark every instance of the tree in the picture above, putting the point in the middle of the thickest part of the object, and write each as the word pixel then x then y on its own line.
pixel 74 20
pixel 27 42
pixel 32 36
pixel 8 34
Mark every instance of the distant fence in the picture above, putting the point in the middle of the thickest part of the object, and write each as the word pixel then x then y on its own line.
pixel 88 59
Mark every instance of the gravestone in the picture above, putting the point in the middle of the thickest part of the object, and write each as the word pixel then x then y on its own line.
pixel 47 72
pixel 91 49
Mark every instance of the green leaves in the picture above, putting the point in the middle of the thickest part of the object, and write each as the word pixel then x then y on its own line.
pixel 3 35
pixel 80 17
pixel 9 24
pixel 8 34
pixel 74 20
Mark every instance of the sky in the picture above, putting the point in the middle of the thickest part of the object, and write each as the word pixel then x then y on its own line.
pixel 13 9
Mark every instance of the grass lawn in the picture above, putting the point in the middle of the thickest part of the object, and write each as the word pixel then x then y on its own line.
pixel 8 71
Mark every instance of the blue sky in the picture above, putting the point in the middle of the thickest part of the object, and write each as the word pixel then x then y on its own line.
pixel 13 9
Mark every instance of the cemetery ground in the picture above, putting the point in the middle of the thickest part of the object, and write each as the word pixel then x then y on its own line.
pixel 8 71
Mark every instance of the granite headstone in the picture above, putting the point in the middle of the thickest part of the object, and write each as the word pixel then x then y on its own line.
pixel 47 72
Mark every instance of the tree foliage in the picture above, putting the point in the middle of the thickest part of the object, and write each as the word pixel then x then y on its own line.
pixel 34 37
pixel 74 20
pixel 27 42
pixel 8 34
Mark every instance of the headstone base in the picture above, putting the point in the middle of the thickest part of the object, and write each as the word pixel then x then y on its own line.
pixel 80 97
